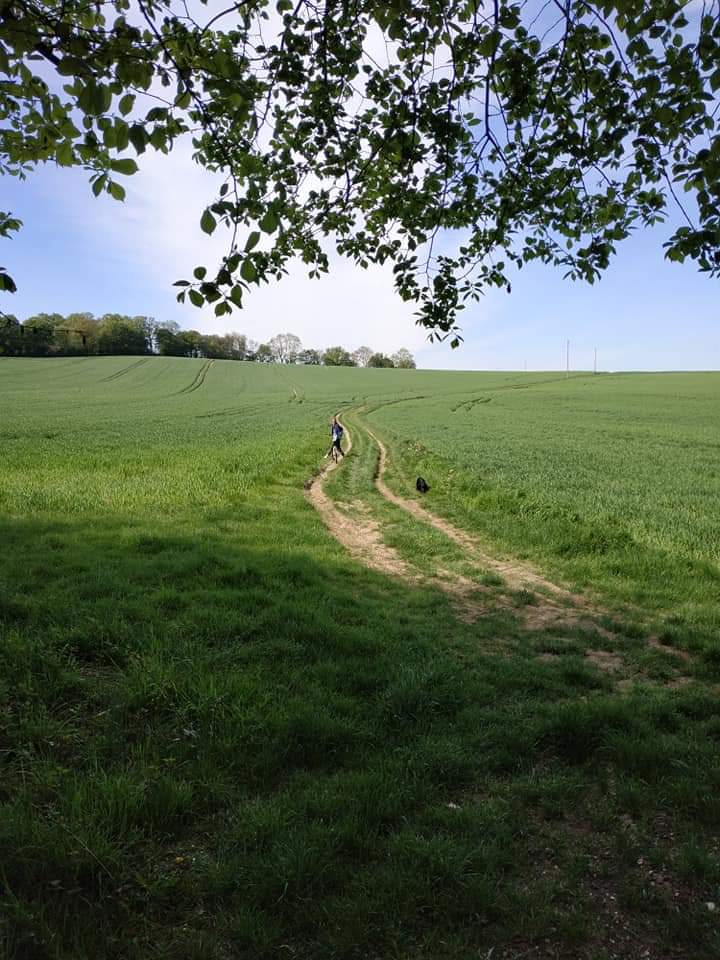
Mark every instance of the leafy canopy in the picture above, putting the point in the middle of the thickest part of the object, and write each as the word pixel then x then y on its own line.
pixel 338 357
pixel 450 139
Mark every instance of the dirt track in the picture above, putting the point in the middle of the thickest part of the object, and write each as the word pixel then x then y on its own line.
pixel 547 606
pixel 361 535
pixel 552 604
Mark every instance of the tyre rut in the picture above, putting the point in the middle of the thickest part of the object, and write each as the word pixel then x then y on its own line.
pixel 198 380
pixel 361 536
pixel 551 607
pixel 121 373
pixel 562 608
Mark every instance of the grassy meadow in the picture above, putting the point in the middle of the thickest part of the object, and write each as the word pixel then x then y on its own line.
pixel 223 737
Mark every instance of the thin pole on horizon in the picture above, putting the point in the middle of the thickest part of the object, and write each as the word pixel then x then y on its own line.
pixel 567 359
pixel 595 362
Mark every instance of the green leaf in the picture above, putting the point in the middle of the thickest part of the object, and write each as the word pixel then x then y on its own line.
pixel 122 135
pixel 210 291
pixel 64 153
pixel 396 30
pixel 208 222
pixel 94 99
pixel 158 138
pixel 84 100
pixel 199 273
pixel 7 283
pixel 138 137
pixel 248 271
pixel 99 184
pixel 236 295
pixel 252 241
pixel 117 191
pixel 126 104
pixel 196 298
pixel 269 222
pixel 126 166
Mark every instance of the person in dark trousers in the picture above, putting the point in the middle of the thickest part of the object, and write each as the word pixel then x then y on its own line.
pixel 336 432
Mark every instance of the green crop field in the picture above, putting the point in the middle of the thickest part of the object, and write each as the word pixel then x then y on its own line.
pixel 227 733
pixel 611 481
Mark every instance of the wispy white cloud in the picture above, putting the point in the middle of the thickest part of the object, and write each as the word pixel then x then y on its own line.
pixel 156 232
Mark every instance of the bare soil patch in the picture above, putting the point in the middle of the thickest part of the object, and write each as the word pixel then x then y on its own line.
pixel 361 537
pixel 605 661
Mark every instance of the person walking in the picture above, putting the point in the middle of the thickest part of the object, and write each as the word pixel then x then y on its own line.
pixel 336 432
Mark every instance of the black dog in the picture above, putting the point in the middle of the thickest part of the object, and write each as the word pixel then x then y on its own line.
pixel 421 486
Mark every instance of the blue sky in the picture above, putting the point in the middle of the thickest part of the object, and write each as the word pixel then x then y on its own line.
pixel 76 252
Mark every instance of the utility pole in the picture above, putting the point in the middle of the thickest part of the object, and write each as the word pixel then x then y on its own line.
pixel 595 362
pixel 567 359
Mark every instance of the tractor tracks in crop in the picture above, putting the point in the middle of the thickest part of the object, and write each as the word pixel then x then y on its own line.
pixel 464 406
pixel 356 531
pixel 544 606
pixel 550 604
pixel 198 380
pixel 361 534
pixel 124 370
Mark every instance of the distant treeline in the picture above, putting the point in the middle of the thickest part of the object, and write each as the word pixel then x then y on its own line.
pixel 82 334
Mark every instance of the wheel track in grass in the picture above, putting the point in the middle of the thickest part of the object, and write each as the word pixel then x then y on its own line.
pixel 552 607
pixel 563 609
pixel 198 380
pixel 121 373
pixel 516 385
pixel 361 535
pixel 468 404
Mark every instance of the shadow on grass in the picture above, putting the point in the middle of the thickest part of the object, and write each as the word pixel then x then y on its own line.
pixel 212 749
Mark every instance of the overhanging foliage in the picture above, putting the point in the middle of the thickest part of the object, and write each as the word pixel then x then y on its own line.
pixel 450 139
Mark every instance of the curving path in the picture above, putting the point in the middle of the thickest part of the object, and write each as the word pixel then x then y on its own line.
pixel 551 606
pixel 360 535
